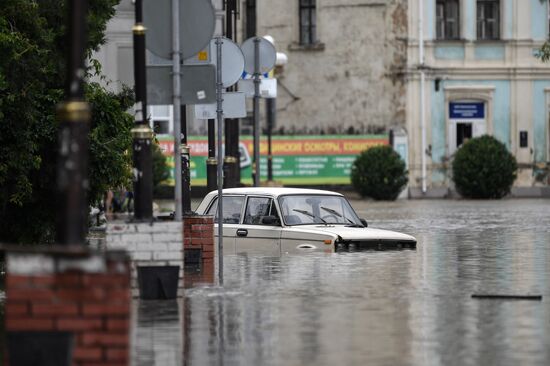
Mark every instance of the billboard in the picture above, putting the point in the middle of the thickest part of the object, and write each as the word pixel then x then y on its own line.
pixel 297 160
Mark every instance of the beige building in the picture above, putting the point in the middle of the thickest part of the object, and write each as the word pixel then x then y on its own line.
pixel 346 60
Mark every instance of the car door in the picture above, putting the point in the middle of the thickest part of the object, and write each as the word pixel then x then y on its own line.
pixel 253 235
pixel 232 211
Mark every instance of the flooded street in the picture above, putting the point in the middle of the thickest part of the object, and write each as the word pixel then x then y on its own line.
pixel 411 307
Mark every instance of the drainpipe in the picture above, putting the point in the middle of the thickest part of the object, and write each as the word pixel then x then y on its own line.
pixel 422 84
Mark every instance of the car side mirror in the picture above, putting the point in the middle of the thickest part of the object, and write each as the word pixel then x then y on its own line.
pixel 270 220
pixel 364 222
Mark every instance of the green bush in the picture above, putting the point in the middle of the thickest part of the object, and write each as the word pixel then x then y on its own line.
pixel 379 173
pixel 484 168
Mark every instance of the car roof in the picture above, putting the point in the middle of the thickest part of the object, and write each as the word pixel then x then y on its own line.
pixel 275 191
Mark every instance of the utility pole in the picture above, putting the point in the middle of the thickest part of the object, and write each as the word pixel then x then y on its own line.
pixel 74 118
pixel 142 134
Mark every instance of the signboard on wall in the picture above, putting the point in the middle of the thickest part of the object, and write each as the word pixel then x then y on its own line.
pixel 299 160
pixel 466 110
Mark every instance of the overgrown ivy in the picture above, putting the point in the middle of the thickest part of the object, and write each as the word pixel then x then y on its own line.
pixel 32 73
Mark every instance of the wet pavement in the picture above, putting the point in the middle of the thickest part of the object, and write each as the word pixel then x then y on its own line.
pixel 410 307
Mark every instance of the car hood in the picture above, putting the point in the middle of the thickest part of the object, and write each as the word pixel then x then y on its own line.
pixel 357 233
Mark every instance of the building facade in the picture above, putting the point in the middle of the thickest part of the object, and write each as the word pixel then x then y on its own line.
pixel 346 62
pixel 481 76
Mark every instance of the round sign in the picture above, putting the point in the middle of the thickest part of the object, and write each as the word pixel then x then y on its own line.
pixel 268 55
pixel 232 60
pixel 197 22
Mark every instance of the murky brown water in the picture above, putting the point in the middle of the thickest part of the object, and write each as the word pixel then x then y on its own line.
pixel 374 308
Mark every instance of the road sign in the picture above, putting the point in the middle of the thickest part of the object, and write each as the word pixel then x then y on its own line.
pixel 197 23
pixel 268 55
pixel 198 84
pixel 232 61
pixel 234 106
pixel 268 88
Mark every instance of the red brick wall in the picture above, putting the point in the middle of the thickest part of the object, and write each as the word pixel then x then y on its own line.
pixel 198 233
pixel 95 306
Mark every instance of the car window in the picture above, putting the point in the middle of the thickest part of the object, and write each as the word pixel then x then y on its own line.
pixel 232 208
pixel 257 208
pixel 317 209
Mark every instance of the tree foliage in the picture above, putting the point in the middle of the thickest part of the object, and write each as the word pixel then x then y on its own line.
pixel 379 173
pixel 161 170
pixel 32 74
pixel 484 168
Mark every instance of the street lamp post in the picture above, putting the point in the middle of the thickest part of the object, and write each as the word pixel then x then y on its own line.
pixel 74 118
pixel 142 135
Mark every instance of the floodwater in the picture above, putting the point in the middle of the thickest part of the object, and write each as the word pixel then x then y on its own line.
pixel 411 307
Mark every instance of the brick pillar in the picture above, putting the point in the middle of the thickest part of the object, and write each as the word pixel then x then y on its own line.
pixel 198 237
pixel 84 293
pixel 147 244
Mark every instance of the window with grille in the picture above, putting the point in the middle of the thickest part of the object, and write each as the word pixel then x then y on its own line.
pixel 308 22
pixel 447 19
pixel 488 19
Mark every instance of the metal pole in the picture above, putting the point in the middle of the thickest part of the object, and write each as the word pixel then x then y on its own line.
pixel 231 125
pixel 176 104
pixel 270 106
pixel 211 162
pixel 256 111
pixel 422 93
pixel 74 117
pixel 185 165
pixel 142 134
pixel 219 110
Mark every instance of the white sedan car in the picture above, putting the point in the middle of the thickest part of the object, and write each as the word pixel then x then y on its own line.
pixel 274 221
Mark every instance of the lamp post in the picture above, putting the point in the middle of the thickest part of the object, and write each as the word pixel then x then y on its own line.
pixel 74 118
pixel 142 135
pixel 271 109
pixel 231 159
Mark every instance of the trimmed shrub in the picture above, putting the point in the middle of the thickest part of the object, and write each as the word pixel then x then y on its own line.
pixel 379 173
pixel 484 168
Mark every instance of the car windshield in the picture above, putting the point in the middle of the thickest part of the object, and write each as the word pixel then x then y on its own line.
pixel 317 209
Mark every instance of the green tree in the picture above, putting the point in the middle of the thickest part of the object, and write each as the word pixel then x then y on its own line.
pixel 32 74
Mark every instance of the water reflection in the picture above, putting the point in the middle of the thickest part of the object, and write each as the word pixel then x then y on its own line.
pixel 157 339
pixel 381 308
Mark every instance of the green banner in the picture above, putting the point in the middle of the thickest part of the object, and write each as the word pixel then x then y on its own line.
pixel 297 160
